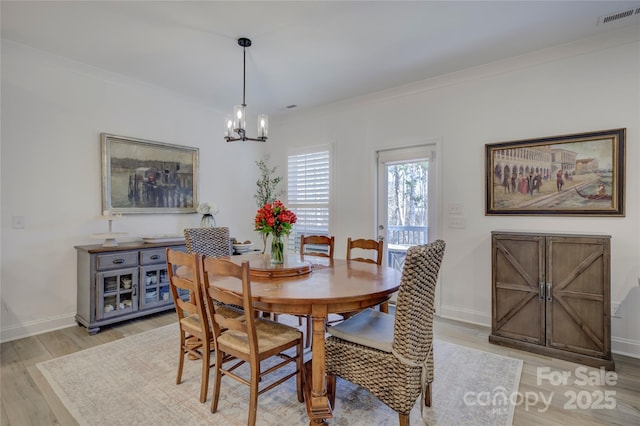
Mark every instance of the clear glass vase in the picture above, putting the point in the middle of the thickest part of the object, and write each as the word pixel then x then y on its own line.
pixel 208 221
pixel 277 249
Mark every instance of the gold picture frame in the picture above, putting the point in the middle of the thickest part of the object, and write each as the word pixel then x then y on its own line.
pixel 142 176
pixel 577 174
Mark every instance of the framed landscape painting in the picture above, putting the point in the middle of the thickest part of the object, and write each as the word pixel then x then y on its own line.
pixel 141 176
pixel 577 174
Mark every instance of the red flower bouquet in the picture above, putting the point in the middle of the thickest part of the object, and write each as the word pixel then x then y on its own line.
pixel 274 219
pixel 277 220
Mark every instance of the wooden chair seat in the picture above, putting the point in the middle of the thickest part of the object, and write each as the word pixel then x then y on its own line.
pixel 271 336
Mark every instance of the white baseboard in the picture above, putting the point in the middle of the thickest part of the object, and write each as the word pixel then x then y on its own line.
pixel 465 315
pixel 619 345
pixel 626 347
pixel 37 327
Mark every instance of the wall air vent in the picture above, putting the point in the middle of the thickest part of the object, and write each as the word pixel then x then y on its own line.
pixel 622 16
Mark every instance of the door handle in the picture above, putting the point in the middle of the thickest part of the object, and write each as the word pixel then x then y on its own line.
pixel 541 294
pixel 549 298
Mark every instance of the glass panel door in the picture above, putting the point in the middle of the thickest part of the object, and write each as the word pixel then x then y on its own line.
pixel 117 292
pixel 406 199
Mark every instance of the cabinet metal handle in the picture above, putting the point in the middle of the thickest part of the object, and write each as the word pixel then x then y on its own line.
pixel 118 261
pixel 549 298
pixel 541 295
pixel 155 257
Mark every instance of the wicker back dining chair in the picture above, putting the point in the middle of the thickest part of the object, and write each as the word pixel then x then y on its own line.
pixel 247 339
pixel 391 355
pixel 210 241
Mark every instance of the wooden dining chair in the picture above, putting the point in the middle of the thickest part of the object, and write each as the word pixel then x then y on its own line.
pixel 195 335
pixel 309 246
pixel 360 244
pixel 247 339
pixel 391 355
pixel 359 247
pixel 314 241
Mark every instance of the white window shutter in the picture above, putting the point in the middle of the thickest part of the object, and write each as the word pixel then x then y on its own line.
pixel 308 190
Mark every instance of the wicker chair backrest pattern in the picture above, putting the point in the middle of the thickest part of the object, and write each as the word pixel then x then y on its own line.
pixel 413 328
pixel 213 242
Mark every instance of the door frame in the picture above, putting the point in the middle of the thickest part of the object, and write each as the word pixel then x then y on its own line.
pixel 434 204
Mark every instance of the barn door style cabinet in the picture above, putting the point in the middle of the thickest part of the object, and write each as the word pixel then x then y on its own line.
pixel 551 295
pixel 122 282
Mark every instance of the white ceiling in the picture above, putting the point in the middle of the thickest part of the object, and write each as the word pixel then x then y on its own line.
pixel 306 53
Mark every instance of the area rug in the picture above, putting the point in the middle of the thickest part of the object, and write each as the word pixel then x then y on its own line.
pixel 131 381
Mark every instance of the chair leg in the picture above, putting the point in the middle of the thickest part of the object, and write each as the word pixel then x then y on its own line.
pixel 216 382
pixel 253 394
pixel 204 380
pixel 427 395
pixel 300 367
pixel 180 359
pixel 403 419
pixel 331 389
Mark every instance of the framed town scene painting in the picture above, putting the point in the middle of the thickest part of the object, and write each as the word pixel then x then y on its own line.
pixel 141 176
pixel 578 174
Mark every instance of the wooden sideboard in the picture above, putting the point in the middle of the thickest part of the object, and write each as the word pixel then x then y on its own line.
pixel 122 282
pixel 551 295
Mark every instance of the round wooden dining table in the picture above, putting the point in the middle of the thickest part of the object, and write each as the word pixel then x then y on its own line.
pixel 317 287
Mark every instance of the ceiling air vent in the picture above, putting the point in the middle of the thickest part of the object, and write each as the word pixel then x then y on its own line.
pixel 618 16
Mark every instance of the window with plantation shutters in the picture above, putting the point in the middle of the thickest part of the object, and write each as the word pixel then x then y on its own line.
pixel 308 189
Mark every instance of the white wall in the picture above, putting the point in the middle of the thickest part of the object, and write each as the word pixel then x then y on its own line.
pixel 587 86
pixel 53 112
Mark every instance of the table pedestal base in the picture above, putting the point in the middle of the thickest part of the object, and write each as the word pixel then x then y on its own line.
pixel 318 408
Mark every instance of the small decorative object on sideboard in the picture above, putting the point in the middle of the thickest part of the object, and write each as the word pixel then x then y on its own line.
pixel 208 211
pixel 241 247
pixel 109 237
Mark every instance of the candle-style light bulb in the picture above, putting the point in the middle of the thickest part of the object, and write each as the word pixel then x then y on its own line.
pixel 263 125
pixel 239 117
pixel 229 126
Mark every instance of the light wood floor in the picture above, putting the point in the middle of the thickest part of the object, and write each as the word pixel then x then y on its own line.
pixel 23 403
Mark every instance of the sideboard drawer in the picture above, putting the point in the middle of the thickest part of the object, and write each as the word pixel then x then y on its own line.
pixel 116 260
pixel 148 257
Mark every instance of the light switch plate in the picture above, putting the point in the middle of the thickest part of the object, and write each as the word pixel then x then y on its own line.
pixel 616 309
pixel 18 222
pixel 455 208
pixel 458 222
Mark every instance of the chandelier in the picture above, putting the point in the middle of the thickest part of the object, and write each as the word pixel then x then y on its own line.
pixel 237 123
